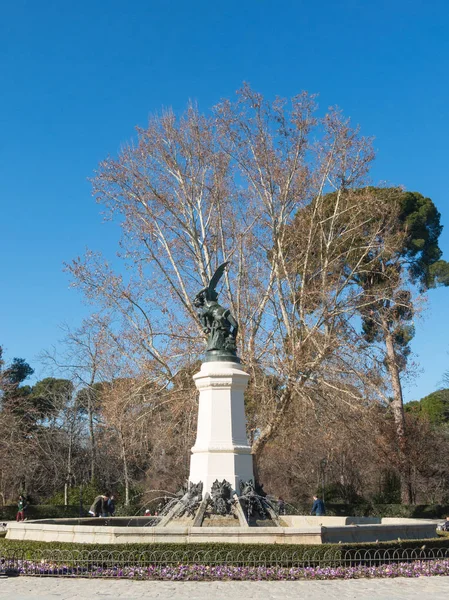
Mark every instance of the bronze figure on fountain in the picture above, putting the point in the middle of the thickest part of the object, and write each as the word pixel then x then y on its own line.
pixel 217 322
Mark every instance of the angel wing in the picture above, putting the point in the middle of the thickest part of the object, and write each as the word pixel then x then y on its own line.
pixel 216 277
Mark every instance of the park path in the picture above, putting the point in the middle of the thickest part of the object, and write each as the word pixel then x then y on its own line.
pixel 422 588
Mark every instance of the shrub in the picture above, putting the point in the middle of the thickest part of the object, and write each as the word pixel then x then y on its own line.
pixel 213 553
pixel 41 511
pixel 368 509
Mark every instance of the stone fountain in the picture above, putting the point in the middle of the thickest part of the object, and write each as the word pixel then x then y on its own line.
pixel 220 503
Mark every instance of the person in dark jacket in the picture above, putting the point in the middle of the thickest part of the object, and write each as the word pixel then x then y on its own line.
pixel 110 507
pixel 99 505
pixel 318 507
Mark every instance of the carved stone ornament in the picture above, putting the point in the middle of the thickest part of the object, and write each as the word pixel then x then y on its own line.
pixel 252 501
pixel 221 497
pixel 192 499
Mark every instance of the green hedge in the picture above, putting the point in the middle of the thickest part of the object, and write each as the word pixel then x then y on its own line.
pixel 213 553
pixel 417 511
pixel 41 511
pixel 367 509
pixel 414 511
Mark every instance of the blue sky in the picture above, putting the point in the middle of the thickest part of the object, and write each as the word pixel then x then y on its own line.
pixel 77 77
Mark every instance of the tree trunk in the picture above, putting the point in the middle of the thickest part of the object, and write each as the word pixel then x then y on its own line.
pixel 397 406
pixel 125 470
pixel 69 469
pixel 93 457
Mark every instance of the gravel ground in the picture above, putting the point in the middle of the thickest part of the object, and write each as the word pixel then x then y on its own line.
pixel 423 588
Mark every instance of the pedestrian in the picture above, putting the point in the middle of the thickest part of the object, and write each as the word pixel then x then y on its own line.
pixel 318 507
pixel 21 508
pixel 98 508
pixel 281 506
pixel 110 506
pixel 444 526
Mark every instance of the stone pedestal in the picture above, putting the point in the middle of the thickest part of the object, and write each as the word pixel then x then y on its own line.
pixel 221 450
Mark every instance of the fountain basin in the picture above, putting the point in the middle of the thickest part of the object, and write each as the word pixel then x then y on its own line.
pixel 326 530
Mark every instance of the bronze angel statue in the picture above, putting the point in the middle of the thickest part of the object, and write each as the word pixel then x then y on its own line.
pixel 217 322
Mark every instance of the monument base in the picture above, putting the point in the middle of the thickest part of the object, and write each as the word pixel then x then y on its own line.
pixel 221 450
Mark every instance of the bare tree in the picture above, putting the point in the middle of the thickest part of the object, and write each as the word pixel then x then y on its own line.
pixel 199 190
pixel 125 403
pixel 85 359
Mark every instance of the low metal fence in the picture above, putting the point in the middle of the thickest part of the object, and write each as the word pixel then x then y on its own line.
pixel 213 564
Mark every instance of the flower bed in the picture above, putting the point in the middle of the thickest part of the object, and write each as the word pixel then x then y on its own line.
pixel 228 572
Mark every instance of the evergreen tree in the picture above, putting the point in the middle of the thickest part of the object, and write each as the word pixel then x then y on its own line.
pixel 387 306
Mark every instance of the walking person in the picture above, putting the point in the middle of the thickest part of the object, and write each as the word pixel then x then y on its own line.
pixel 21 507
pixel 318 507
